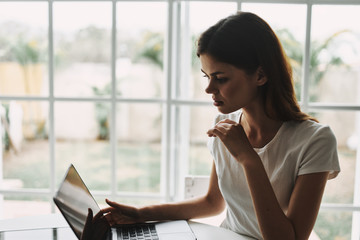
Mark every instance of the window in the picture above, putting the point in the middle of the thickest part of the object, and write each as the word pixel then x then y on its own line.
pixel 118 92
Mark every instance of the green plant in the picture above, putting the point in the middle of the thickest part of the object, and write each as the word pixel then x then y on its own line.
pixel 318 67
pixel 27 52
pixel 102 111
pixel 6 139
pixel 151 48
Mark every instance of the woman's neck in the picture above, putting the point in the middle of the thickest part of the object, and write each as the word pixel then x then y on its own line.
pixel 259 128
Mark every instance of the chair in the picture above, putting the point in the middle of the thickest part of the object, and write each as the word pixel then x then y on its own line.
pixel 196 186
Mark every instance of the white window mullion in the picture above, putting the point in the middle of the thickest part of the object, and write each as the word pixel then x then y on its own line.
pixel 51 105
pixel 183 113
pixel 239 2
pixel 113 104
pixel 306 62
pixel 1 164
pixel 175 93
pixel 166 153
pixel 355 233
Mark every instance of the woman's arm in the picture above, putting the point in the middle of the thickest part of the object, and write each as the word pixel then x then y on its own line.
pixel 210 204
pixel 303 207
pixel 305 202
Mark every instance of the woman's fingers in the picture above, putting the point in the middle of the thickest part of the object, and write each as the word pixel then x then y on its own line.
pixel 99 216
pixel 111 203
pixel 115 204
pixel 221 128
pixel 88 228
pixel 228 121
pixel 113 207
pixel 214 132
pixel 120 214
pixel 89 217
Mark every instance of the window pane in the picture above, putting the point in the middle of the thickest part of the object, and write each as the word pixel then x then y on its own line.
pixel 333 225
pixel 140 49
pixel 289 22
pixel 194 139
pixel 82 48
pixel 194 20
pixel 12 206
pixel 344 125
pixel 139 147
pixel 335 54
pixel 81 131
pixel 23 48
pixel 25 159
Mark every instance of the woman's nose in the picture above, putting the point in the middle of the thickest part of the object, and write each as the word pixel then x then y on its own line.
pixel 211 88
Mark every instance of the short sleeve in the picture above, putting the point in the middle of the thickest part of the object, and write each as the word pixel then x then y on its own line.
pixel 320 154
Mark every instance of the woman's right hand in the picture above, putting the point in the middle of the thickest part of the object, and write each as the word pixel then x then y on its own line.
pixel 121 214
pixel 233 135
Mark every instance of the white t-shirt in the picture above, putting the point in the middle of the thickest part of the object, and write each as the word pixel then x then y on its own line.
pixel 298 148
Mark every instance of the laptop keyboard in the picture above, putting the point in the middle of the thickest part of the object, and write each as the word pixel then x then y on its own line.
pixel 137 232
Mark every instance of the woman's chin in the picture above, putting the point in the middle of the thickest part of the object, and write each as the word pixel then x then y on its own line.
pixel 224 110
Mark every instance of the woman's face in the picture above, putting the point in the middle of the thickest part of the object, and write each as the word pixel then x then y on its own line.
pixel 231 88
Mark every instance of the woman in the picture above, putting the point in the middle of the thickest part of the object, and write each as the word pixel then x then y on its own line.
pixel 271 161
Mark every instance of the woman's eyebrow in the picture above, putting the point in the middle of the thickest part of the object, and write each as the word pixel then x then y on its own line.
pixel 213 74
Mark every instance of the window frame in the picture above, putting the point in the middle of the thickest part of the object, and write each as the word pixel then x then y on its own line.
pixel 172 179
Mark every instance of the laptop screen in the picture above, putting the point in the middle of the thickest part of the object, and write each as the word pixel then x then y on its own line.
pixel 73 199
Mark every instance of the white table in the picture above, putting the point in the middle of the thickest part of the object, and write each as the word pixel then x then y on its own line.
pixel 54 226
pixel 208 232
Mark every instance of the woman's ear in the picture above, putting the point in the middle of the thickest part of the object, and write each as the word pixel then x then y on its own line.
pixel 261 77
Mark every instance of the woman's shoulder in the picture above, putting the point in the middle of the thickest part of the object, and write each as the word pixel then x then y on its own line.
pixel 309 129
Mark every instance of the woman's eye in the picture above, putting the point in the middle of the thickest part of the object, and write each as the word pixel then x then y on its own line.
pixel 221 80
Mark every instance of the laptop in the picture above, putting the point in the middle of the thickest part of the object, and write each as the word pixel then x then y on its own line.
pixel 74 199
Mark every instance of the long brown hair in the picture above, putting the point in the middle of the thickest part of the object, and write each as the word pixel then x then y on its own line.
pixel 246 41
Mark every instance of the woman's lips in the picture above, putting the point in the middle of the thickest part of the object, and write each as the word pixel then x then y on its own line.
pixel 218 103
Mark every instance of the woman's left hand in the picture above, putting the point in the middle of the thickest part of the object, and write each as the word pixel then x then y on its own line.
pixel 232 134
pixel 121 214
